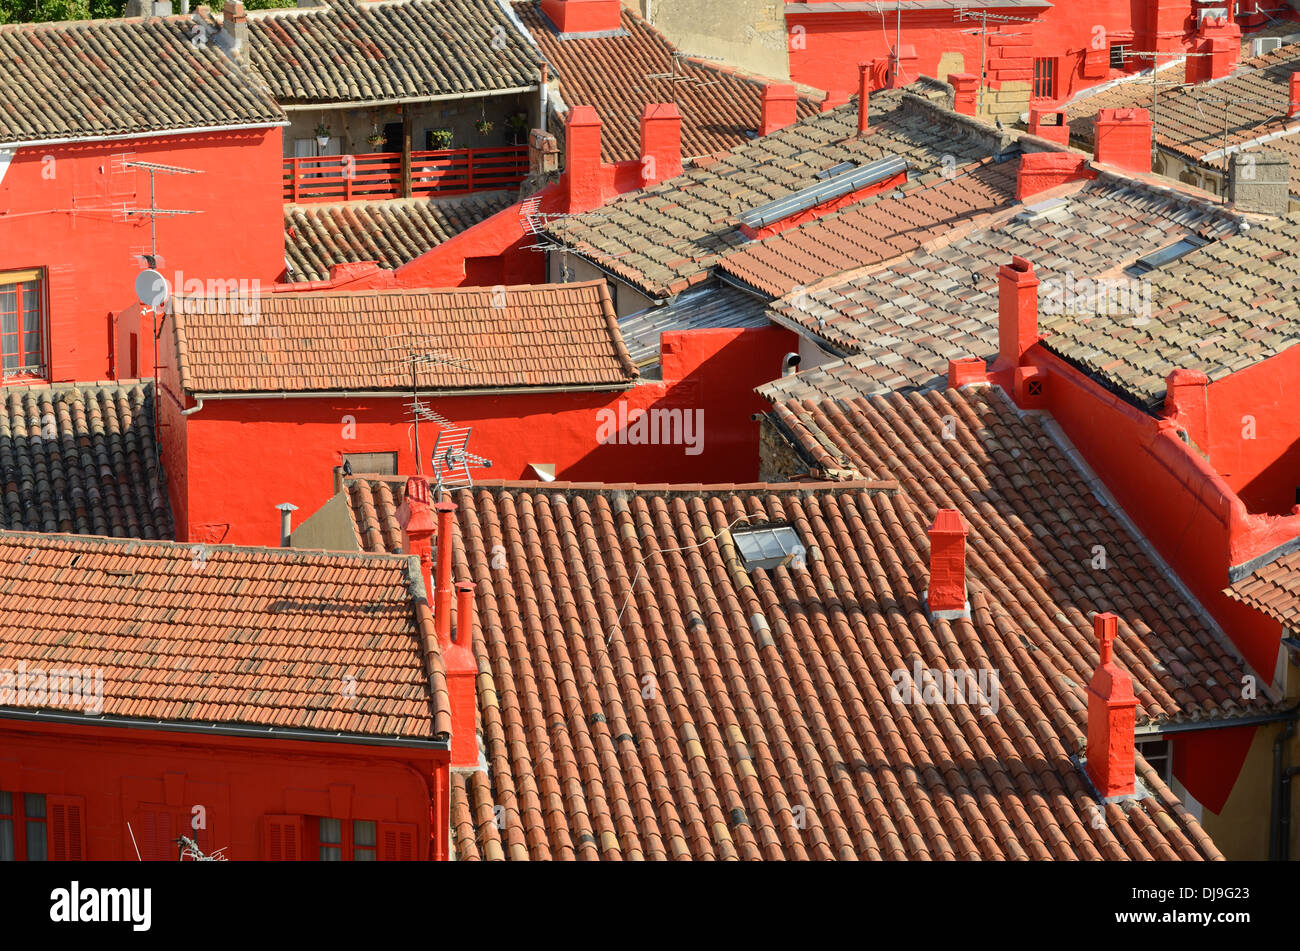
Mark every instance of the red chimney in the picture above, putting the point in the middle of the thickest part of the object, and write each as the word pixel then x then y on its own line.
pixel 965 89
pixel 661 142
pixel 780 107
pixel 947 598
pixel 1039 171
pixel 462 673
pixel 584 16
pixel 1112 716
pixel 1294 109
pixel 864 97
pixel 966 370
pixel 1049 124
pixel 1017 312
pixel 442 590
pixel 1123 138
pixel 1216 48
pixel 583 173
pixel 416 520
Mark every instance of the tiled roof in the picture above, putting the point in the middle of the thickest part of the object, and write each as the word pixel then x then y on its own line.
pixel 614 74
pixel 665 238
pixel 863 374
pixel 701 308
pixel 1193 120
pixel 390 232
pixel 381 50
pixel 882 227
pixel 120 77
pixel 1219 309
pixel 1273 589
pixel 642 695
pixel 82 458
pixel 183 633
pixel 1035 525
pixel 545 335
pixel 910 317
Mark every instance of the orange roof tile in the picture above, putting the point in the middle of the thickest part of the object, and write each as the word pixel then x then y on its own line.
pixel 532 336
pixel 307 641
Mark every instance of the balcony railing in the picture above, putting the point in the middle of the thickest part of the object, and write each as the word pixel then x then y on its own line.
pixel 379 175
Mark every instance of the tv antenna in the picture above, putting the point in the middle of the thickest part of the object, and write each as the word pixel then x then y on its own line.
pixel 452 459
pixel 674 76
pixel 984 19
pixel 419 350
pixel 153 212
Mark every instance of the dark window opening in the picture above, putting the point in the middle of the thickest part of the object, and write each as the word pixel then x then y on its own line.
pixel 1119 55
pixel 371 463
pixel 1045 78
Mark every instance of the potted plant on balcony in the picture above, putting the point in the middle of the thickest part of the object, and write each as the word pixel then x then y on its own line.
pixel 376 138
pixel 440 138
pixel 518 124
pixel 322 133
pixel 484 126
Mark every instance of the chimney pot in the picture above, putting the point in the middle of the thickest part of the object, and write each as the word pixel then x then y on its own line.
pixel 947 595
pixel 965 92
pixel 442 587
pixel 1123 139
pixel 661 142
pixel 462 672
pixel 583 171
pixel 864 97
pixel 1017 312
pixel 416 520
pixel 1112 716
pixel 1293 109
pixel 286 522
pixel 234 27
pixel 780 107
pixel 584 16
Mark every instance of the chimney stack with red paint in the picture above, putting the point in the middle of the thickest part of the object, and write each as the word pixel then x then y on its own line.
pixel 1017 312
pixel 661 142
pixel 780 107
pixel 583 172
pixel 864 97
pixel 462 673
pixel 416 520
pixel 1293 110
pixel 584 16
pixel 965 92
pixel 1112 716
pixel 947 596
pixel 1123 139
pixel 442 587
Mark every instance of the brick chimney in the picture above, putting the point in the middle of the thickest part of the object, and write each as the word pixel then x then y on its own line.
pixel 1017 312
pixel 1112 716
pixel 583 172
pixel 584 16
pixel 1039 171
pixel 442 586
pixel 1123 138
pixel 234 29
pixel 1049 123
pixel 947 595
pixel 415 516
pixel 780 106
pixel 462 674
pixel 661 142
pixel 1293 106
pixel 864 97
pixel 965 92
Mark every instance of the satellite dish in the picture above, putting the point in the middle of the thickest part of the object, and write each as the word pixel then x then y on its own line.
pixel 151 289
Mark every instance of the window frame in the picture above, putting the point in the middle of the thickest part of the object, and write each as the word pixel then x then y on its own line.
pixel 20 820
pixel 25 373
pixel 1044 76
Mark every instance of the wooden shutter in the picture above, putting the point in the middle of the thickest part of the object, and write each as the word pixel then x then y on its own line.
pixel 397 842
pixel 282 838
pixel 66 822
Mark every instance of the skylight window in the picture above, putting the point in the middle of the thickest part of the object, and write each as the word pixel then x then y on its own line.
pixel 1172 253
pixel 837 186
pixel 768 547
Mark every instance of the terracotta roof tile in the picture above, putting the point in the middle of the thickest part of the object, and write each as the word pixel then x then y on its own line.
pixel 302 640
pixel 381 50
pixel 1274 589
pixel 548 335
pixel 619 75
pixel 94 78
pixel 390 232
pixel 642 695
pixel 82 458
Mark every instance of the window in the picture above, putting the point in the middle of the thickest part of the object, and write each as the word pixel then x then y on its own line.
pixel 156 829
pixel 324 839
pixel 1119 55
pixel 1044 78
pixel 22 324
pixel 343 840
pixel 768 547
pixel 371 463
pixel 35 827
pixel 1168 254
pixel 1158 752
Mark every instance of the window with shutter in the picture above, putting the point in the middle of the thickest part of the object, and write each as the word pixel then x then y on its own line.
pixel 396 842
pixel 66 819
pixel 282 838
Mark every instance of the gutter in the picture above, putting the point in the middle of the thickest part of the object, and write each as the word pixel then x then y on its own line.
pixel 404 100
pixel 91 139
pixel 1224 723
pixel 402 394
pixel 216 729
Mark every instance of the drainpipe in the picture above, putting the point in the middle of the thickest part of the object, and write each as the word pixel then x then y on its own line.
pixel 544 94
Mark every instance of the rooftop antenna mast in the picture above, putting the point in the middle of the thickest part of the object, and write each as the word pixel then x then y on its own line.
pixel 419 351
pixel 674 77
pixel 984 18
pixel 1153 55
pixel 153 212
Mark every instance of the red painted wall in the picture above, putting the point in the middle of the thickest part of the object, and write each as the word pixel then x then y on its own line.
pixel 229 464
pixel 57 213
pixel 1202 760
pixel 236 781
pixel 827 52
